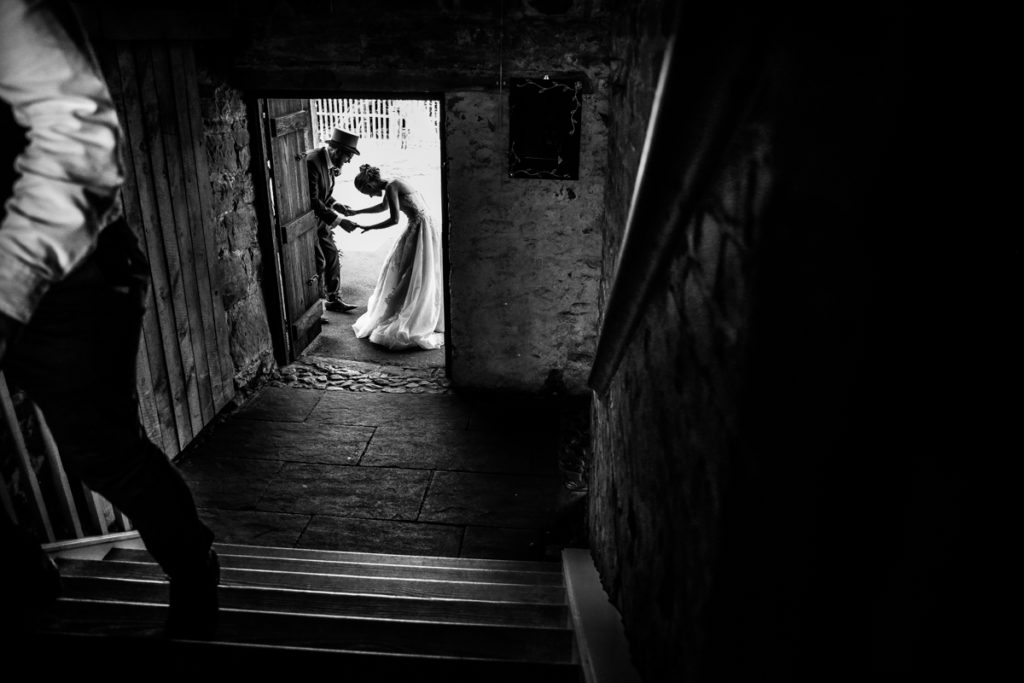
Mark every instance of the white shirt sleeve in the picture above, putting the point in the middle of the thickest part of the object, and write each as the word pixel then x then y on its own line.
pixel 70 171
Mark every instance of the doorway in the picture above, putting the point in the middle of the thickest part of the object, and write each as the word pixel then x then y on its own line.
pixel 403 137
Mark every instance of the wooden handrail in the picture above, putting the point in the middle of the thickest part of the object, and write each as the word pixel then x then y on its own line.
pixel 94 503
pixel 24 461
pixel 60 479
pixel 703 88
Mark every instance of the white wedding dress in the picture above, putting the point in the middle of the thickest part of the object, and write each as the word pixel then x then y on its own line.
pixel 406 308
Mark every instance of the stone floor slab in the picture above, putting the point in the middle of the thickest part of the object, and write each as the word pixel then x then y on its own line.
pixel 368 492
pixel 514 414
pixel 491 499
pixel 228 483
pixel 381 536
pixel 495 452
pixel 428 445
pixel 414 449
pixel 253 527
pixel 280 405
pixel 500 543
pixel 378 409
pixel 296 442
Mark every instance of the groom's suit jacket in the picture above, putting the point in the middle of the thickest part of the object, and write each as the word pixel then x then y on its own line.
pixel 321 185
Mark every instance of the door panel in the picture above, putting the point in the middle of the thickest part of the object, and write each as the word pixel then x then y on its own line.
pixel 289 131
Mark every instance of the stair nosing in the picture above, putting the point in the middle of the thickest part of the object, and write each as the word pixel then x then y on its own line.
pixel 387 564
pixel 540 566
pixel 290 589
pixel 310 591
pixel 152 562
pixel 372 653
pixel 334 617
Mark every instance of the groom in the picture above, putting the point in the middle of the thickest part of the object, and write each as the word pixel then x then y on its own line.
pixel 323 165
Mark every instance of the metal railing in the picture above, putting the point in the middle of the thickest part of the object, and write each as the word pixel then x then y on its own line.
pixel 409 123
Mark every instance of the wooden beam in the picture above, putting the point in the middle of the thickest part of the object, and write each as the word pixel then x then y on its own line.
pixel 267 234
pixel 309 318
pixel 298 227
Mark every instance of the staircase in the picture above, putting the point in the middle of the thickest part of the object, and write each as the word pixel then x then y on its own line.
pixel 352 616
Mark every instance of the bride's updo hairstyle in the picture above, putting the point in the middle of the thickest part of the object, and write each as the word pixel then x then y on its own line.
pixel 368 178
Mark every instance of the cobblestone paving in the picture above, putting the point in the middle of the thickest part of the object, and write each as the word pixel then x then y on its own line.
pixel 325 373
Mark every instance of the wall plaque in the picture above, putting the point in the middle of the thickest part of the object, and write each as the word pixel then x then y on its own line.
pixel 544 127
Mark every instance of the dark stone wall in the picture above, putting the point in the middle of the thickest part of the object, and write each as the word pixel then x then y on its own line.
pixel 728 449
pixel 239 260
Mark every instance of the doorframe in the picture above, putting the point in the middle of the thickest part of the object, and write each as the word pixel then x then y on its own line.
pixel 272 280
pixel 271 277
pixel 442 131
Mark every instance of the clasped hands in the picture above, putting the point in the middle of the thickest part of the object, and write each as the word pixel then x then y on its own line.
pixel 345 224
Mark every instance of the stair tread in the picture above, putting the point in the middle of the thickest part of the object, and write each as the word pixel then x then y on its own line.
pixel 79 585
pixel 335 583
pixel 389 558
pixel 361 568
pixel 213 660
pixel 326 632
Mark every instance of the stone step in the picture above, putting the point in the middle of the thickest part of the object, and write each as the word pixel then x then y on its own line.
pixel 197 660
pixel 390 559
pixel 89 581
pixel 368 568
pixel 343 583
pixel 395 636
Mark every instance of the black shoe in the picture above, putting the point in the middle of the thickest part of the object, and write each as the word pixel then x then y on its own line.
pixel 338 306
pixel 193 612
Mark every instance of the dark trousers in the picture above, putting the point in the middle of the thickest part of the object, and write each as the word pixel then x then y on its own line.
pixel 76 360
pixel 328 263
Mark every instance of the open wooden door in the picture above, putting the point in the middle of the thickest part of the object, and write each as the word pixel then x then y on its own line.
pixel 289 135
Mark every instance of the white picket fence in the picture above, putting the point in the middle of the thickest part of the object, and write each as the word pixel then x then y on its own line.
pixel 406 124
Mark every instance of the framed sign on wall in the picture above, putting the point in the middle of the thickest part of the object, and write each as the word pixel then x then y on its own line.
pixel 544 127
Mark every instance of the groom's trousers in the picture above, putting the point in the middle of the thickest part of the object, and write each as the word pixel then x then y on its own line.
pixel 328 263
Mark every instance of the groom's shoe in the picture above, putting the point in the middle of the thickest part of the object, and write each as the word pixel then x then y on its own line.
pixel 338 306
pixel 193 608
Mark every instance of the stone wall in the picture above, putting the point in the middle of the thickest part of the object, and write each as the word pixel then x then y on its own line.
pixel 719 444
pixel 239 260
pixel 524 254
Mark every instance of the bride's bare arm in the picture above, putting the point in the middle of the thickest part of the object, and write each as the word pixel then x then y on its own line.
pixel 376 208
pixel 391 202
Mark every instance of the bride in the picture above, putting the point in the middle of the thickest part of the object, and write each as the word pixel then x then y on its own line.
pixel 406 308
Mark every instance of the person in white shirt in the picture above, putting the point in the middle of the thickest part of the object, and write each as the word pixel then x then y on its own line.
pixel 73 286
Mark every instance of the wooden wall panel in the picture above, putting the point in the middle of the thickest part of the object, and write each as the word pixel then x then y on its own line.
pixel 185 369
